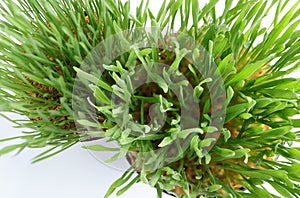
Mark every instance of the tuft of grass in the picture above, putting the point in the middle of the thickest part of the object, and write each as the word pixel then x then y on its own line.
pixel 43 43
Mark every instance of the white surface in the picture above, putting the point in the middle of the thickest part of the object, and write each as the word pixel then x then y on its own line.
pixel 72 174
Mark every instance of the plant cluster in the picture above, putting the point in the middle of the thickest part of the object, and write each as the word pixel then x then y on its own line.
pixel 235 68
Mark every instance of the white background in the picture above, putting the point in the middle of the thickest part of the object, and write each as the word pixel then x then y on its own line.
pixel 73 174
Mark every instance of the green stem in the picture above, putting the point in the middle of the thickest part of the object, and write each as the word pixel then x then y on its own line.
pixel 142 112
pixel 147 99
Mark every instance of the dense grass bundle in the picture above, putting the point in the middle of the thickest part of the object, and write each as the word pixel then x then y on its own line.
pixel 212 115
